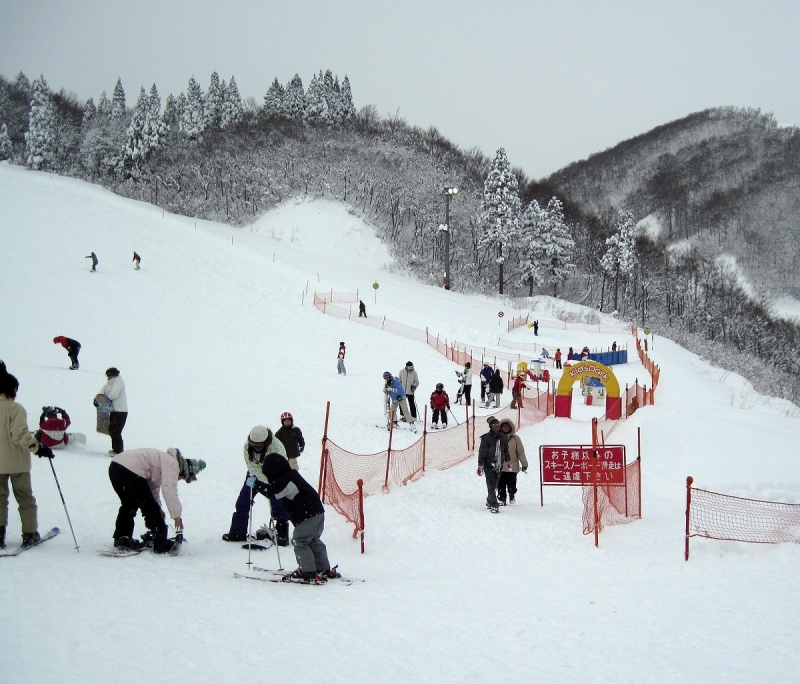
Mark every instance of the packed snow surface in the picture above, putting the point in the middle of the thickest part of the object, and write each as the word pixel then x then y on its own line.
pixel 216 334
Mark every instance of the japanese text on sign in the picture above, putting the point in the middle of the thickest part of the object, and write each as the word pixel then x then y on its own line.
pixel 572 465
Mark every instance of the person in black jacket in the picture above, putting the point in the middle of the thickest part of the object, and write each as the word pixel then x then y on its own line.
pixel 305 510
pixel 495 389
pixel 492 455
pixel 292 439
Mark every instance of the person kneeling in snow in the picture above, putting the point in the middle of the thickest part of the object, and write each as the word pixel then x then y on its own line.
pixel 307 514
pixel 52 425
pixel 138 476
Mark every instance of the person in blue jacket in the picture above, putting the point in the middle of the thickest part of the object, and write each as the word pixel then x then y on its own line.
pixel 397 396
pixel 486 375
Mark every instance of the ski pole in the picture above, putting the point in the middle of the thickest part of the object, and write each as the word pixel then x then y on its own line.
pixel 250 526
pixel 452 414
pixel 277 546
pixel 52 467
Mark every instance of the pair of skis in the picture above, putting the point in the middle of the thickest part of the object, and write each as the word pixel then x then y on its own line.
pixel 283 577
pixel 48 535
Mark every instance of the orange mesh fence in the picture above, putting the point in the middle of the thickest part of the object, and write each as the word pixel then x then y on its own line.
pixel 519 321
pixel 616 505
pixel 733 518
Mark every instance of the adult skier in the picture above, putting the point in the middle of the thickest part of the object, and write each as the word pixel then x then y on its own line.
pixel 495 390
pixel 306 512
pixel 397 397
pixel 486 375
pixel 516 462
pixel 362 309
pixel 73 347
pixel 467 382
pixel 260 444
pixel 139 477
pixel 16 446
pixel 492 457
pixel 410 380
pixel 291 438
pixel 440 405
pixel 114 389
pixel 340 359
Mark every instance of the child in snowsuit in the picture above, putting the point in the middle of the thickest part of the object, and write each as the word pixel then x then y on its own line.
pixel 516 390
pixel 52 426
pixel 397 396
pixel 340 359
pixel 492 457
pixel 72 347
pixel 292 439
pixel 260 444
pixel 516 462
pixel 557 358
pixel 440 405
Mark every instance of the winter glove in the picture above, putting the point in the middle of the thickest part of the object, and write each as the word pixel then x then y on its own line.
pixel 524 469
pixel 45 451
pixel 250 481
pixel 480 472
pixel 432 409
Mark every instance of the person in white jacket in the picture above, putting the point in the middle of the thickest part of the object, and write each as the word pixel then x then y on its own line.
pixel 140 477
pixel 410 381
pixel 114 389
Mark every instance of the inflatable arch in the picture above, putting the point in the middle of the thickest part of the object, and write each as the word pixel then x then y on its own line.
pixel 586 369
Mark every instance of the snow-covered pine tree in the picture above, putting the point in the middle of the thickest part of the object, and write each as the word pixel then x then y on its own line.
pixel 295 99
pixel 232 110
pixel 274 102
pixel 348 109
pixel 135 148
pixel 559 247
pixel 89 111
pixel 24 84
pixel 118 101
pixel 317 112
pixel 192 121
pixel 104 106
pixel 212 104
pixel 170 116
pixel 154 127
pixel 6 148
pixel 40 137
pixel 500 209
pixel 620 258
pixel 531 245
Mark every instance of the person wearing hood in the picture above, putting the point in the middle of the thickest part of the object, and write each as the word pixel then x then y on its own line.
pixel 140 477
pixel 307 514
pixel 73 348
pixel 516 462
pixel 495 389
pixel 492 457
pixel 260 444
pixel 393 388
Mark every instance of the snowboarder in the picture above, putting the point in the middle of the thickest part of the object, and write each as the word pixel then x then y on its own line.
pixel 307 514
pixel 408 376
pixel 292 439
pixel 362 309
pixel 139 477
pixel 52 427
pixel 73 347
pixel 137 260
pixel 260 444
pixel 340 361
pixel 492 457
pixel 93 257
pixel 557 358
pixel 467 382
pixel 16 446
pixel 486 375
pixel 397 396
pixel 536 327
pixel 114 389
pixel 516 390
pixel 495 390
pixel 516 462
pixel 440 405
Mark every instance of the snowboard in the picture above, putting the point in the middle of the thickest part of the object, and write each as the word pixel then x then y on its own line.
pixel 48 535
pixel 77 437
pixel 115 552
pixel 103 404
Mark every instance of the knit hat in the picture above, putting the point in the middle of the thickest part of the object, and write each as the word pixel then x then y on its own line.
pixel 189 466
pixel 259 434
pixel 492 420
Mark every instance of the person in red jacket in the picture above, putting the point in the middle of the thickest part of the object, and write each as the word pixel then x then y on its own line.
pixel 516 390
pixel 440 405
pixel 52 425
pixel 137 260
pixel 72 347
pixel 557 357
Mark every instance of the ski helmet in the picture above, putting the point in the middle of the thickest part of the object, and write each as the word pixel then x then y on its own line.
pixel 286 415
pixel 387 375
pixel 439 386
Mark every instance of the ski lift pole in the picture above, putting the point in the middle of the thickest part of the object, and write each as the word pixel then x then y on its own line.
pixel 61 494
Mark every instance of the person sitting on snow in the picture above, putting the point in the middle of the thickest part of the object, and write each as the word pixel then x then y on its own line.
pixel 52 425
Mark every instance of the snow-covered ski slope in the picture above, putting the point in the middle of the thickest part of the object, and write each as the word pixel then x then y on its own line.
pixel 211 339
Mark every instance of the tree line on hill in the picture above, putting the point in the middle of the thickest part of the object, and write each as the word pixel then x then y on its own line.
pixel 213 155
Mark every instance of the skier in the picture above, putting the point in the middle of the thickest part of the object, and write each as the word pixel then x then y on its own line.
pixel 73 347
pixel 52 425
pixel 536 327
pixel 440 405
pixel 137 260
pixel 516 462
pixel 394 388
pixel 408 376
pixel 307 514
pixel 486 375
pixel 492 457
pixel 467 381
pixel 495 390
pixel 260 444
pixel 292 439
pixel 16 446
pixel 139 476
pixel 557 358
pixel 114 389
pixel 516 390
pixel 362 309
pixel 340 357
pixel 93 257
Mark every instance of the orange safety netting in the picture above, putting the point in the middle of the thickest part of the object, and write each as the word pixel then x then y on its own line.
pixel 519 321
pixel 616 504
pixel 732 518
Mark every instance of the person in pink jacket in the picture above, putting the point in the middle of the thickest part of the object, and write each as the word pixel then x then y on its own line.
pixel 140 477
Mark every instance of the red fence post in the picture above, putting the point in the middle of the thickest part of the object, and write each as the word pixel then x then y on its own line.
pixel 389 449
pixel 689 481
pixel 361 511
pixel 594 488
pixel 424 435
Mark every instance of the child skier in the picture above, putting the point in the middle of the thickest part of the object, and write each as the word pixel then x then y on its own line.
pixel 440 405
pixel 292 439
pixel 397 396
pixel 73 347
pixel 516 390
pixel 340 359
pixel 486 375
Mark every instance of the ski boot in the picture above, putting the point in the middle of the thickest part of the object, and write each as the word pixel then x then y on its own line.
pixel 161 544
pixel 232 537
pixel 2 537
pixel 511 498
pixel 128 543
pixel 30 539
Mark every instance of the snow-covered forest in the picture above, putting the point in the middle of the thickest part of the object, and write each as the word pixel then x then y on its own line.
pixel 210 153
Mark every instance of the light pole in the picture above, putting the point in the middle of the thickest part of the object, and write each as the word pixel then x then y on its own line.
pixel 448 192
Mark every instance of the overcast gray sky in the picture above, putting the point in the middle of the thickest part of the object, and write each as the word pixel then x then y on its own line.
pixel 552 82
